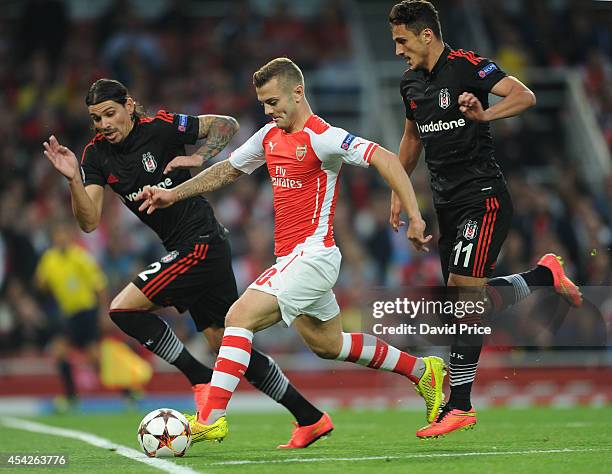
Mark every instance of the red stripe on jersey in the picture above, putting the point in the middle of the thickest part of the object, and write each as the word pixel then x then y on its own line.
pixel 370 151
pixel 483 228
pixel 165 116
pixel 495 205
pixel 95 139
pixel 356 347
pixel 469 55
pixel 160 115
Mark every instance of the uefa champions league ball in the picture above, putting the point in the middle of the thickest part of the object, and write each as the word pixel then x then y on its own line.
pixel 164 432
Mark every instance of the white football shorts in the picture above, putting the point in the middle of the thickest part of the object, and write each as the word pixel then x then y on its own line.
pixel 302 282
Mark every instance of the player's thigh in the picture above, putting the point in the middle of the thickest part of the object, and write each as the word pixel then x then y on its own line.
pixel 131 297
pixel 217 295
pixel 254 310
pixel 481 229
pixel 302 283
pixel 324 338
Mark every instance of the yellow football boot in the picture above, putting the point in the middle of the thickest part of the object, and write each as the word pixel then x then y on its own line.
pixel 430 386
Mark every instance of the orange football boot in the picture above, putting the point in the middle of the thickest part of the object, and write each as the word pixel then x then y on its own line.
pixel 449 420
pixel 563 285
pixel 304 436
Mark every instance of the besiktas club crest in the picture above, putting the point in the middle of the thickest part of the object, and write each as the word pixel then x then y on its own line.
pixel 444 99
pixel 470 230
pixel 148 161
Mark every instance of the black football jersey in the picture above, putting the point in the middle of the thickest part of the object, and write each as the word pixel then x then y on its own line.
pixel 459 152
pixel 139 161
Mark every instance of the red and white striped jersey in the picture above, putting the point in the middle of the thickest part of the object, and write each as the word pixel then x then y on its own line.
pixel 304 168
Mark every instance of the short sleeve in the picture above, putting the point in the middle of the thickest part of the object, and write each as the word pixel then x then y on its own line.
pixel 180 128
pixel 251 154
pixel 408 102
pixel 338 143
pixel 478 73
pixel 91 169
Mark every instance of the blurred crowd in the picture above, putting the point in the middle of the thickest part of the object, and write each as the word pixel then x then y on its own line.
pixel 202 62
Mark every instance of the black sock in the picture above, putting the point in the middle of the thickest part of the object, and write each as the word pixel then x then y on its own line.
pixel 538 276
pixel 195 371
pixel 462 372
pixel 265 375
pixel 65 370
pixel 505 291
pixel 155 334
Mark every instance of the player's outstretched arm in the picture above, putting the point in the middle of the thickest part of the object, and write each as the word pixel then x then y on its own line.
pixel 86 201
pixel 217 130
pixel 516 98
pixel 409 153
pixel 390 168
pixel 218 175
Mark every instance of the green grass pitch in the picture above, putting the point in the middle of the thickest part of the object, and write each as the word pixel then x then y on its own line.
pixel 530 438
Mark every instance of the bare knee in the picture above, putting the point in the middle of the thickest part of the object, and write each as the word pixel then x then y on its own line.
pixel 235 316
pixel 131 298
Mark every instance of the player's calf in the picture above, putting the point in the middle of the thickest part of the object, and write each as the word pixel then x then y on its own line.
pixel 426 373
pixel 158 337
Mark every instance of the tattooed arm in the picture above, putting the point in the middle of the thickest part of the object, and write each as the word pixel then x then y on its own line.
pixel 211 179
pixel 217 130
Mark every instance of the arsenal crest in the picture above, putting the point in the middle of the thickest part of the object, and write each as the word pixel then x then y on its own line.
pixel 300 152
pixel 470 230
pixel 148 161
pixel 444 99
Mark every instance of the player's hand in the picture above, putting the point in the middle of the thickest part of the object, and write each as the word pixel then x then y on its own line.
pixel 62 158
pixel 471 108
pixel 155 198
pixel 182 162
pixel 416 232
pixel 396 209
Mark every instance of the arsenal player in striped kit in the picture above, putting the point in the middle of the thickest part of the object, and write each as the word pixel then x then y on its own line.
pixel 304 155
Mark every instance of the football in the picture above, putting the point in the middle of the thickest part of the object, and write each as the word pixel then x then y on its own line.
pixel 164 432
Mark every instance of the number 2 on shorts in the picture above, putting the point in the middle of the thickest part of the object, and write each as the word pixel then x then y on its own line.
pixel 144 275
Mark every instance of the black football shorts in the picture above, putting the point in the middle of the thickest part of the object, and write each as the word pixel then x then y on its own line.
pixel 471 235
pixel 197 277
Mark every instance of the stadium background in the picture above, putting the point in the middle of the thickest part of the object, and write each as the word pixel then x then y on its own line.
pixel 197 57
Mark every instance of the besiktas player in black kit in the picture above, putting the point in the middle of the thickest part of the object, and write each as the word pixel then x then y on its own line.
pixel 445 93
pixel 129 152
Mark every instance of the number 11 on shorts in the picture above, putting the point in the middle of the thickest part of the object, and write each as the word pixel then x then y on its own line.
pixel 468 251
